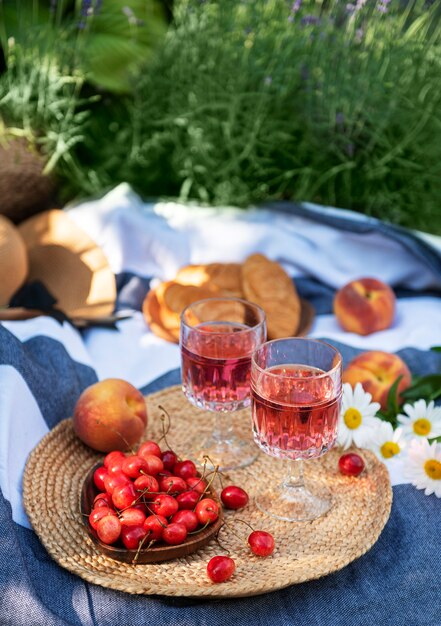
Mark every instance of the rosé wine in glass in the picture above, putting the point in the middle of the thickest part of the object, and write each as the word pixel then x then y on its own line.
pixel 296 396
pixel 218 338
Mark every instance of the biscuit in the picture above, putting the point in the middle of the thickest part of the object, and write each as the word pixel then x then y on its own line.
pixel 266 283
pixel 226 277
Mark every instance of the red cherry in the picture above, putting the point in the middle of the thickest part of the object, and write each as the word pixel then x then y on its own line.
pixel 108 529
pixel 113 481
pixel 174 534
pixel 124 496
pixel 172 484
pixel 149 448
pixel 207 511
pixel 351 464
pixel 132 517
pixel 98 477
pixel 154 525
pixel 164 505
pixel 169 458
pixel 185 469
pixel 163 473
pixel 146 484
pixel 188 499
pixel 132 536
pixel 114 459
pixel 234 497
pixel 134 466
pixel 98 514
pixel 154 464
pixel 220 568
pixel 261 543
pixel 141 507
pixel 103 499
pixel 188 518
pixel 197 484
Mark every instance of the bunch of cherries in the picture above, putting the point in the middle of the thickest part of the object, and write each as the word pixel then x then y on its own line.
pixel 152 496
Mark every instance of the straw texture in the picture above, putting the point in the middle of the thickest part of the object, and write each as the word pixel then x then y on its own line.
pixel 57 467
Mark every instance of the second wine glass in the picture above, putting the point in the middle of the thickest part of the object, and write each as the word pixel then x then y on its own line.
pixel 218 338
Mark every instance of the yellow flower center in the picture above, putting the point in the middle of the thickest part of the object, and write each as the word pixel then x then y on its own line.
pixel 389 449
pixel 432 467
pixel 422 427
pixel 352 418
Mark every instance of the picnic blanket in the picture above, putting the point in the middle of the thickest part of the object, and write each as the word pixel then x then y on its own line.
pixel 44 366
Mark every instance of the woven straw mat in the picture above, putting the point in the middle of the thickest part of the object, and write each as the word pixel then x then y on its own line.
pixel 56 469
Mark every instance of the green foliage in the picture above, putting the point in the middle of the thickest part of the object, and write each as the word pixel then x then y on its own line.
pixel 248 101
pixel 427 388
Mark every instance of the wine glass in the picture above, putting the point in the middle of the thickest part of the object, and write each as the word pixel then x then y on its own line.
pixel 218 337
pixel 296 396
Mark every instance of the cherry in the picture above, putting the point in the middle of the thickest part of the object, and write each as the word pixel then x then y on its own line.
pixel 220 568
pixel 99 513
pixel 154 525
pixel 125 496
pixel 112 481
pixel 108 529
pixel 174 534
pixel 188 518
pixel 132 517
pixel 154 464
pixel 103 499
pixel 197 484
pixel 98 477
pixel 149 448
pixel 132 536
pixel 147 484
pixel 169 458
pixel 234 497
pixel 113 460
pixel 185 469
pixel 172 484
pixel 141 507
pixel 164 473
pixel 188 499
pixel 134 466
pixel 207 511
pixel 351 464
pixel 261 543
pixel 164 505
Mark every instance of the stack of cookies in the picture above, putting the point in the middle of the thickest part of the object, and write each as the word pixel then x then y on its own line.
pixel 258 280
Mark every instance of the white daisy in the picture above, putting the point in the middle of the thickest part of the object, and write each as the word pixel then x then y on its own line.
pixel 423 467
pixel 357 423
pixel 421 420
pixel 387 443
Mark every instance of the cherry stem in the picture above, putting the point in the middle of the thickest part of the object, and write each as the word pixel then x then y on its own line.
pixel 199 530
pixel 244 522
pixel 165 430
pixel 219 542
pixel 141 543
pixel 128 446
pixel 229 526
pixel 210 482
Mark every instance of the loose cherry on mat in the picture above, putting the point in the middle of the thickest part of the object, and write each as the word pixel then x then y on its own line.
pixel 188 499
pixel 154 525
pixel 132 536
pixel 207 511
pixel 220 568
pixel 351 464
pixel 261 543
pixel 169 458
pixel 164 504
pixel 234 497
pixel 149 447
pixel 174 534
pixel 98 477
pixel 185 469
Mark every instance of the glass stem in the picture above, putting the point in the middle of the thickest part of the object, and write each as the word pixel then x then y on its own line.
pixel 223 427
pixel 294 475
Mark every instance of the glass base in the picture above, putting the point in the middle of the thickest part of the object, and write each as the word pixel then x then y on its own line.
pixel 293 503
pixel 230 454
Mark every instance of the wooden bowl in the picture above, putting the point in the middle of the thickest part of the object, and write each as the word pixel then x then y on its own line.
pixel 155 554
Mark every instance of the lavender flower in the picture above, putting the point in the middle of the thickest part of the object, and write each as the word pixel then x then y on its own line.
pixel 295 8
pixel 382 6
pixel 310 20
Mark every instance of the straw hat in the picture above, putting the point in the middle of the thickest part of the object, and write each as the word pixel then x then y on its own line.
pixel 70 265
pixel 13 260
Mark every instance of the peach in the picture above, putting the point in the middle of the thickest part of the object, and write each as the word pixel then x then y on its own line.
pixel 110 415
pixel 365 306
pixel 377 371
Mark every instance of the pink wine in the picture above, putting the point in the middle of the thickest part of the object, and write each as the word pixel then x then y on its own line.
pixel 295 413
pixel 216 364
